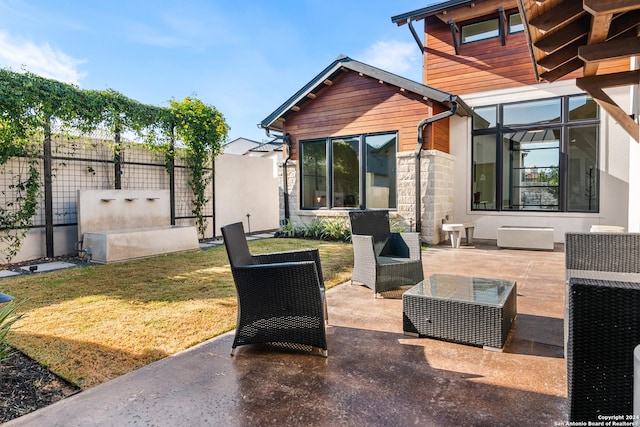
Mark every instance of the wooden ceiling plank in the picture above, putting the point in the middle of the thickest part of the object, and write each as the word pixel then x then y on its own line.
pixel 563 55
pixel 563 70
pixel 615 49
pixel 562 37
pixel 608 7
pixel 561 14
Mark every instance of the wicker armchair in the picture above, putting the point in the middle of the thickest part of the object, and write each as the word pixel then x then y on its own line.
pixel 280 295
pixel 602 322
pixel 383 260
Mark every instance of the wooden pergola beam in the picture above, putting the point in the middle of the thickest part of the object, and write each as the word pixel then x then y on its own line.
pixel 610 106
pixel 599 30
pixel 609 7
pixel 615 49
pixel 624 78
pixel 561 14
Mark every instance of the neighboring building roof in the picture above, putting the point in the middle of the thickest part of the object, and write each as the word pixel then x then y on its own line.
pixel 240 146
pixel 267 147
pixel 343 63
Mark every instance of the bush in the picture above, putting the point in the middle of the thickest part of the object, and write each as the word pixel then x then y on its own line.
pixel 319 229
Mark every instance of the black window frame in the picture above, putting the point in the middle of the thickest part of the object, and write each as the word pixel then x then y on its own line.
pixel 329 196
pixel 565 125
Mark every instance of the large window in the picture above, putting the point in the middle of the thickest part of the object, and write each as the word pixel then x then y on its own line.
pixel 537 155
pixel 350 172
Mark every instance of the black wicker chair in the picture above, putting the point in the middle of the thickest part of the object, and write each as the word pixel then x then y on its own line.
pixel 383 260
pixel 280 295
pixel 602 322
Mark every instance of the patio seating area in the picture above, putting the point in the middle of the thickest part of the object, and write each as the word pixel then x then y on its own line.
pixel 374 375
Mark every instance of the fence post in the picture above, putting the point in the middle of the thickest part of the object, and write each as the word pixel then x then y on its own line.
pixel 48 190
pixel 172 179
pixel 117 161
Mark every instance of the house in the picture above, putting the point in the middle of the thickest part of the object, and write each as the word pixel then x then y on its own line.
pixel 546 135
pixel 351 135
pixel 247 147
pixel 240 146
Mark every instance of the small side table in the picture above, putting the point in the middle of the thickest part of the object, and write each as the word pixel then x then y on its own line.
pixel 454 233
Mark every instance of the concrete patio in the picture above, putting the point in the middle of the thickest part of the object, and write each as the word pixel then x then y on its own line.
pixel 374 374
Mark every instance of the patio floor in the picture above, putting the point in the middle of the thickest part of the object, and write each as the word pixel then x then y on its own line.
pixel 374 374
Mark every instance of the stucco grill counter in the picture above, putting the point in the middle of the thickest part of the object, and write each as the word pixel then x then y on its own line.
pixel 468 310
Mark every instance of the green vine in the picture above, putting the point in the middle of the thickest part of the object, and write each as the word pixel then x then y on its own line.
pixel 31 106
pixel 202 129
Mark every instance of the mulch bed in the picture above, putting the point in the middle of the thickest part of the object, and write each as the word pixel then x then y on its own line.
pixel 25 386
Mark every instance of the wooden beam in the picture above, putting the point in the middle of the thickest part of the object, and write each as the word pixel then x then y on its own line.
pixel 608 7
pixel 564 36
pixel 599 29
pixel 563 55
pixel 311 95
pixel 563 70
pixel 615 49
pixel 561 14
pixel 327 82
pixel 624 78
pixel 623 23
pixel 614 110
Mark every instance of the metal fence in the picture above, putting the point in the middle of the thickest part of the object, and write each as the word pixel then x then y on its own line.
pixel 75 164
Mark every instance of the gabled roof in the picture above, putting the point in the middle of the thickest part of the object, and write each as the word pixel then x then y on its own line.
pixel 343 63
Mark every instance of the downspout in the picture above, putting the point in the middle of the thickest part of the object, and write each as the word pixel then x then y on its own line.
pixel 285 187
pixel 421 125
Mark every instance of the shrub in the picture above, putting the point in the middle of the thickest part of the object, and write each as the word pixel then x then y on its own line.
pixel 318 228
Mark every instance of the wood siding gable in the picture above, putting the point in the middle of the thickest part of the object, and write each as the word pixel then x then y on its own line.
pixel 358 104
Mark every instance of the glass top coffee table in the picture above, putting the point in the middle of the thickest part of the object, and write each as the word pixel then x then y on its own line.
pixel 469 310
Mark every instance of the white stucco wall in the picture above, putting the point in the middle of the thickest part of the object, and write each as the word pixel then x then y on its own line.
pixel 246 185
pixel 616 148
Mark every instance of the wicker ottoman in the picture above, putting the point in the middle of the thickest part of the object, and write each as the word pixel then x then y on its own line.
pixel 468 310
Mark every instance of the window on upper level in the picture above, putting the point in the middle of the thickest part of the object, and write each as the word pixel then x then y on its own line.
pixel 482 30
pixel 515 23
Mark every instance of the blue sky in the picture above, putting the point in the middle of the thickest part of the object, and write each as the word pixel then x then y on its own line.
pixel 243 57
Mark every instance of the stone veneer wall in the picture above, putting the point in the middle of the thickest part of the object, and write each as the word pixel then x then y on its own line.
pixel 437 193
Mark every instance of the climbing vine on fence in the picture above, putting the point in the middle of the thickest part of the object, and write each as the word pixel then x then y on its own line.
pixel 202 129
pixel 31 106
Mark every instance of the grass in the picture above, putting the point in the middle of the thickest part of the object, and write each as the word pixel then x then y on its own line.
pixel 95 323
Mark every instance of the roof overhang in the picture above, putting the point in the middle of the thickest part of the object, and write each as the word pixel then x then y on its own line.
pixel 565 36
pixel 344 64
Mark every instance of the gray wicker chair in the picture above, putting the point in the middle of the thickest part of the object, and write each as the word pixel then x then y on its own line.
pixel 383 260
pixel 280 295
pixel 602 322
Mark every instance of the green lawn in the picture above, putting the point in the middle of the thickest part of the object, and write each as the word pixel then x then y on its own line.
pixel 95 323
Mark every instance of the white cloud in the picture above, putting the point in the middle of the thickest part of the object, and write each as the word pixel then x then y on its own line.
pixel 42 59
pixel 402 58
